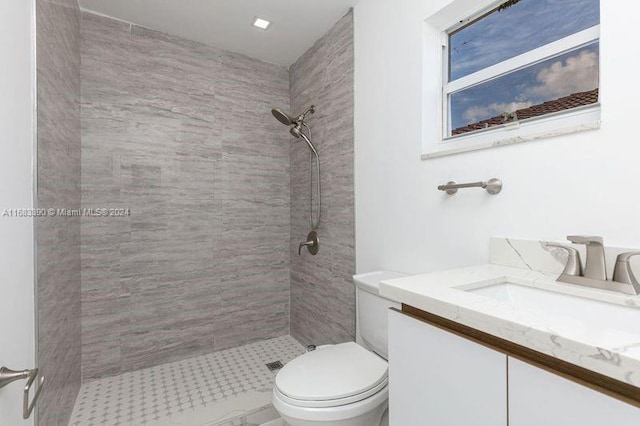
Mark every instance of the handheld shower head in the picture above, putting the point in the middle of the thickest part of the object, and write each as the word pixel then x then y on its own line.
pixel 298 133
pixel 296 130
pixel 296 125
pixel 282 117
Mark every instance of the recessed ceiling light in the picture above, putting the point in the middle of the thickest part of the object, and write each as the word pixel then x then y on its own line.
pixel 263 24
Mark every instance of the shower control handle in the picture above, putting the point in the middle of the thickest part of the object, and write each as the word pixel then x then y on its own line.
pixel 305 244
pixel 312 244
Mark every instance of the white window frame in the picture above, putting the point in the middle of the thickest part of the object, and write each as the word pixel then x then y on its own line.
pixel 438 28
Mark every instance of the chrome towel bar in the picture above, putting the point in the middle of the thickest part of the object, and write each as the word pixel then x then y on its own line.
pixel 8 376
pixel 493 186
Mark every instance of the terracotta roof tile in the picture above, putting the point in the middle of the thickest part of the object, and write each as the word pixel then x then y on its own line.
pixel 568 102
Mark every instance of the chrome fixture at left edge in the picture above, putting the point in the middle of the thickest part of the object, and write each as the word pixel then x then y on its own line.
pixel 8 376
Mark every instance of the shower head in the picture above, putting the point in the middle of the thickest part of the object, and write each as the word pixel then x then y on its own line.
pixel 282 117
pixel 296 124
pixel 295 128
pixel 287 120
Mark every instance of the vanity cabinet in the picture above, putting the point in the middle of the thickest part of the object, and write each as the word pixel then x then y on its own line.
pixel 440 379
pixel 538 397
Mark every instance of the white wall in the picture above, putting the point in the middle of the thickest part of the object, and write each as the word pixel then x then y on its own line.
pixel 16 191
pixel 586 183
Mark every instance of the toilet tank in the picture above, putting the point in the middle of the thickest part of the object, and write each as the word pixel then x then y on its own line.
pixel 372 311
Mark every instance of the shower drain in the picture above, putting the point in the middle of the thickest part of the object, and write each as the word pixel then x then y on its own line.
pixel 274 366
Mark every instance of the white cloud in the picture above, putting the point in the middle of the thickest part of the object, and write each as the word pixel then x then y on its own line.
pixel 576 74
pixel 479 113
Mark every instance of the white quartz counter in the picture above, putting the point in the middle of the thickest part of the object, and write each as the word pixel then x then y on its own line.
pixel 603 349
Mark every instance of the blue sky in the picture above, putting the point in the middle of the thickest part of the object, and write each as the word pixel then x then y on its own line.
pixel 526 25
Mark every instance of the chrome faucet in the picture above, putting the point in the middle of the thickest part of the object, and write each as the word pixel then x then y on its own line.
pixel 594 274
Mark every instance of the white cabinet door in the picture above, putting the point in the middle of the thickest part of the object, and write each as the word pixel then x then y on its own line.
pixel 537 397
pixel 439 379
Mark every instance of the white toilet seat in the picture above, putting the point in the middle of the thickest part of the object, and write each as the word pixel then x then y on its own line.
pixel 332 373
pixel 330 402
pixel 332 414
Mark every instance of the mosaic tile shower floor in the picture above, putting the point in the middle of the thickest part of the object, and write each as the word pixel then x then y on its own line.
pixel 226 388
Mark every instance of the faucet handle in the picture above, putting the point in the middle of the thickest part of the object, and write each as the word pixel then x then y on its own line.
pixel 595 267
pixel 574 265
pixel 305 244
pixel 623 273
pixel 586 240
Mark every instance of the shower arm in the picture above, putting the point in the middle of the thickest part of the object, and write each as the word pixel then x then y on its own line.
pixel 303 116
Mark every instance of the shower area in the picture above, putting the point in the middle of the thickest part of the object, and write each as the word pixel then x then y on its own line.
pixel 230 240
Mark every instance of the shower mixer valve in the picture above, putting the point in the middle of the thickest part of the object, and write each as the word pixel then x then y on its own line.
pixel 312 244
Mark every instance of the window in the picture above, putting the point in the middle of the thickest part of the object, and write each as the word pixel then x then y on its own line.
pixel 520 61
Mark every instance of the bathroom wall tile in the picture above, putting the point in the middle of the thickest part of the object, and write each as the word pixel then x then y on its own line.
pixel 58 238
pixel 181 134
pixel 322 291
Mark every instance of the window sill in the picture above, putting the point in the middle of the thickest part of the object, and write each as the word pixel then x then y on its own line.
pixel 580 120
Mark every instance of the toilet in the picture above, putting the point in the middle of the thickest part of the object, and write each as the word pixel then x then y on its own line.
pixel 344 384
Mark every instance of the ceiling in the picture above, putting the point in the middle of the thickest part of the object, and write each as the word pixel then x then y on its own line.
pixel 296 24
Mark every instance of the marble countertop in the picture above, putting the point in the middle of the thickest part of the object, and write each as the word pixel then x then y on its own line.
pixel 611 352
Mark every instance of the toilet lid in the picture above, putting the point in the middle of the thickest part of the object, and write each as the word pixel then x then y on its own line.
pixel 331 372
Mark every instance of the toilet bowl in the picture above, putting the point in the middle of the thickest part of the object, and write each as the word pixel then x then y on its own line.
pixel 344 384
pixel 336 385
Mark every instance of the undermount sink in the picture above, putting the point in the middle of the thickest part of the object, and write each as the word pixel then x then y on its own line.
pixel 595 316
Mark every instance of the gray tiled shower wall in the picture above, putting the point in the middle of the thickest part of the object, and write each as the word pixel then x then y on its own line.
pixel 322 291
pixel 58 186
pixel 180 133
